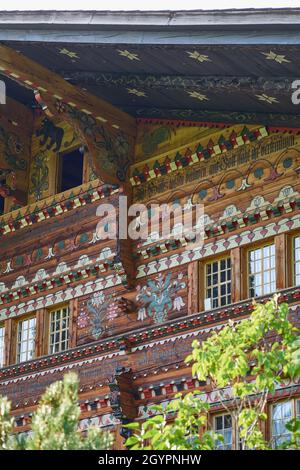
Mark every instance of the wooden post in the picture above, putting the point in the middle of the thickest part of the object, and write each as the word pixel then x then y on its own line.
pixel 41 334
pixel 73 322
pixel 281 261
pixel 237 288
pixel 193 287
pixel 10 342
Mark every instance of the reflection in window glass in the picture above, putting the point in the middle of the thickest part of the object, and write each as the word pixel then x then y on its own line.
pixel 218 283
pixel 262 271
pixel 223 426
pixel 26 340
pixel 281 415
pixel 59 330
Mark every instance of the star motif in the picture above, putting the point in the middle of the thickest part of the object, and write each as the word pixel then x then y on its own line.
pixel 197 56
pixel 267 99
pixel 134 91
pixel 197 95
pixel 128 55
pixel 72 55
pixel 276 57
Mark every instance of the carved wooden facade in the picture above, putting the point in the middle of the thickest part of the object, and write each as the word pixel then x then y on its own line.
pixel 133 308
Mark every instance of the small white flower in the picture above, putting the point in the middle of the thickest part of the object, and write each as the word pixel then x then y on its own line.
pixel 178 303
pixel 142 314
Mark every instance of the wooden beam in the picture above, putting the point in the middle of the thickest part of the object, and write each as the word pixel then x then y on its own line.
pixel 236 275
pixel 281 261
pixel 193 287
pixel 73 306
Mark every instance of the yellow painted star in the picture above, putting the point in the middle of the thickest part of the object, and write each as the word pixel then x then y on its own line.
pixel 276 57
pixel 128 55
pixel 134 91
pixel 267 99
pixel 72 55
pixel 197 95
pixel 197 56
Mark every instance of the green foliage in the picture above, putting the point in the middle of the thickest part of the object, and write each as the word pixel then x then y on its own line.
pixel 6 425
pixel 182 433
pixel 294 427
pixel 54 425
pixel 245 360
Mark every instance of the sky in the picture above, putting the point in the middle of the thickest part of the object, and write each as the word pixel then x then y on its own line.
pixel 143 5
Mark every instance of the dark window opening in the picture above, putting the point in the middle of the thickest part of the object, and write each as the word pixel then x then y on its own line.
pixel 70 170
pixel 2 201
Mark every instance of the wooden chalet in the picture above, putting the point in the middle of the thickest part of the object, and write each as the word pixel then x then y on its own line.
pixel 164 107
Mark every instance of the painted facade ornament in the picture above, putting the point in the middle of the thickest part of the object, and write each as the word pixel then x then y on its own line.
pixel 20 281
pixel 82 261
pixel 3 288
pixel 198 57
pixel 97 308
pixel 128 55
pixel 50 253
pixel 158 297
pixel 111 150
pixel 197 95
pixel 72 55
pixel 267 99
pixel 286 192
pixel 13 150
pixel 8 268
pixel 51 135
pixel 41 274
pixel 134 91
pixel 39 175
pixel 280 58
pixel 244 185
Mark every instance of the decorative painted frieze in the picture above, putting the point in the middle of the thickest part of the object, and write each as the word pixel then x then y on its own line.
pixel 193 156
pixel 53 207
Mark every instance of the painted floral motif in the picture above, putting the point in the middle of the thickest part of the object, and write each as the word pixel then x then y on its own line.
pixel 157 297
pixel 97 308
pixel 39 176
pixel 82 319
pixel 13 150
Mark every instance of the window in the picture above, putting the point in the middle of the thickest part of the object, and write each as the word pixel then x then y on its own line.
pixel 26 340
pixel 281 415
pixel 2 203
pixel 223 426
pixel 2 332
pixel 262 270
pixel 59 330
pixel 217 283
pixel 70 170
pixel 296 261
